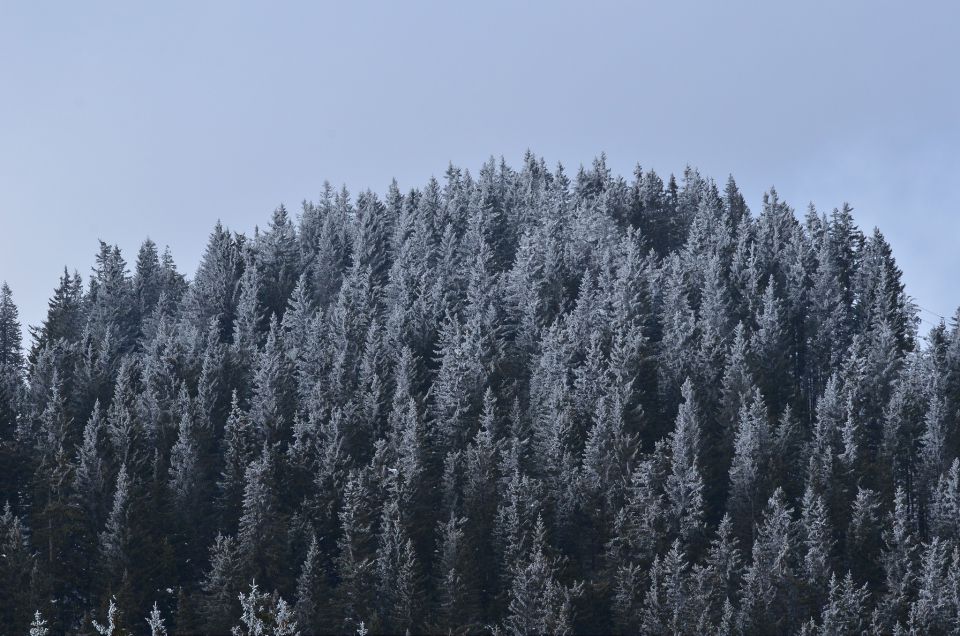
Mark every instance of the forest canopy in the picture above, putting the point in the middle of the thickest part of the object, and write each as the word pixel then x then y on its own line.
pixel 511 402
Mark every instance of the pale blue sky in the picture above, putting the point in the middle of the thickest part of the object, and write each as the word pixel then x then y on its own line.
pixel 119 120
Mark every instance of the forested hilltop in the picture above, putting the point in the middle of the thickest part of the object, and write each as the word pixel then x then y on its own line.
pixel 513 401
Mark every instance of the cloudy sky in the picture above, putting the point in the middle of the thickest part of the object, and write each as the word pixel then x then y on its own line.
pixel 119 121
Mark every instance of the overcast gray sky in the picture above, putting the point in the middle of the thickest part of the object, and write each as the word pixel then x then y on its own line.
pixel 122 120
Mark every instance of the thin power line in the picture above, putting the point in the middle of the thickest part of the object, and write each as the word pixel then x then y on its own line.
pixel 930 312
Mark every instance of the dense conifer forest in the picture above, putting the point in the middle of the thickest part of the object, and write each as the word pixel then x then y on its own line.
pixel 516 402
